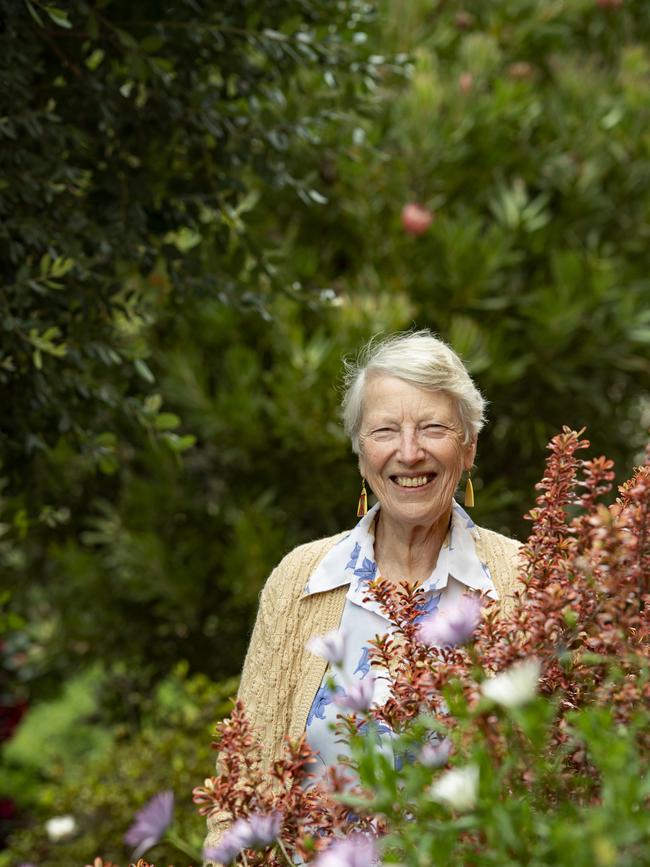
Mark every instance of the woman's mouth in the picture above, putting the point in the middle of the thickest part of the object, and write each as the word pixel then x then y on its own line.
pixel 413 481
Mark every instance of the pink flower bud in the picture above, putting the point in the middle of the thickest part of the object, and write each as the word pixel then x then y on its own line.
pixel 416 219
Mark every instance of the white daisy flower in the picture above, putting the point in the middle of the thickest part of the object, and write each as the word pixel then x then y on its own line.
pixel 515 686
pixel 457 788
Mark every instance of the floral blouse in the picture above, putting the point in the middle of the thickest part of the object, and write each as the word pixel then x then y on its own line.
pixel 352 562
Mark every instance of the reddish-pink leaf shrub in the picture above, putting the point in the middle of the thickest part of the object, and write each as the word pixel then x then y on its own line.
pixel 583 603
pixel 243 787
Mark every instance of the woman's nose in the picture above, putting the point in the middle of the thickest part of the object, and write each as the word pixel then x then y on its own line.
pixel 410 450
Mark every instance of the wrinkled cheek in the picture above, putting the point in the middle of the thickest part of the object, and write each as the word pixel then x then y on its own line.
pixel 454 473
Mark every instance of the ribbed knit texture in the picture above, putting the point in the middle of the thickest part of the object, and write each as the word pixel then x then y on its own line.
pixel 280 677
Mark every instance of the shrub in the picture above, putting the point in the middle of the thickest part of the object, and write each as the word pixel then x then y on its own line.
pixel 103 792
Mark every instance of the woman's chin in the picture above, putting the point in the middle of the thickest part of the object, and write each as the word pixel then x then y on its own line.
pixel 414 512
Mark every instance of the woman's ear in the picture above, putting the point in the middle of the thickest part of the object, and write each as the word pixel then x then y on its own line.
pixel 470 455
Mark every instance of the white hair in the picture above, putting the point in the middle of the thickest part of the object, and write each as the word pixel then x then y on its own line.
pixel 421 359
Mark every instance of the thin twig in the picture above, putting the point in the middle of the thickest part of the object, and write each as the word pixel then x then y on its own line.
pixel 62 56
pixel 284 852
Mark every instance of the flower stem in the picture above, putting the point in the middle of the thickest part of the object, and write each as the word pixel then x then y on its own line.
pixel 182 846
pixel 284 852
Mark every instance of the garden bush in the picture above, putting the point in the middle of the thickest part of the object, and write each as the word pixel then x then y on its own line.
pixel 103 788
pixel 533 268
pixel 136 143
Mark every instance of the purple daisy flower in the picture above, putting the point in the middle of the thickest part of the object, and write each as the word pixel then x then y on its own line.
pixel 256 832
pixel 454 626
pixel 150 824
pixel 358 696
pixel 436 753
pixel 357 850
pixel 330 647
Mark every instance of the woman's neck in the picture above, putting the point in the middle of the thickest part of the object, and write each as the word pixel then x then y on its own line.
pixel 408 553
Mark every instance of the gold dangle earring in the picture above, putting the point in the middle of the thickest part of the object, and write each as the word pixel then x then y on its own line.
pixel 362 508
pixel 469 491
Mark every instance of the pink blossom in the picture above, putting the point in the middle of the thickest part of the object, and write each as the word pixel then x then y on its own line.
pixel 453 626
pixel 416 219
pixel 466 81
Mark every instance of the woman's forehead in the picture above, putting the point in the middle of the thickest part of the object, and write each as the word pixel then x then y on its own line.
pixel 392 396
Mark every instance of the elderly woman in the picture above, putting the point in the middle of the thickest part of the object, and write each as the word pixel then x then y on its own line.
pixel 413 415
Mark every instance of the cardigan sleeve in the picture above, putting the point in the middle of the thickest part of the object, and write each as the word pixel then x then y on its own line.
pixel 270 685
pixel 265 682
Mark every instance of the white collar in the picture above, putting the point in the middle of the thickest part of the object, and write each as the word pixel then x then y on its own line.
pixel 353 558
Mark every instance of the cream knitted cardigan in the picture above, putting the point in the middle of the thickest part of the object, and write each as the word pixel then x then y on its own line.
pixel 280 677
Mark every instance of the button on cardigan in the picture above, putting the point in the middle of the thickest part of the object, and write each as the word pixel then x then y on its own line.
pixel 280 676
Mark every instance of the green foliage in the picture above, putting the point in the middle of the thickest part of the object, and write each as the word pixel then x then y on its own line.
pixel 43 747
pixel 199 215
pixel 133 142
pixel 522 129
pixel 171 750
pixel 181 550
pixel 141 150
pixel 518 818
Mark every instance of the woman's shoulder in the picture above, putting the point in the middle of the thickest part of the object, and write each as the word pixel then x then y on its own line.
pixel 501 554
pixel 492 540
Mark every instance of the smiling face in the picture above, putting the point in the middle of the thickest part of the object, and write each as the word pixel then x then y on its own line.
pixel 411 450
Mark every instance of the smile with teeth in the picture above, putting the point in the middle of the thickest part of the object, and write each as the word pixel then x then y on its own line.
pixel 413 481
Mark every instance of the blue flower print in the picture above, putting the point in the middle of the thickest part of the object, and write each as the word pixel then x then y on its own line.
pixel 323 697
pixel 354 556
pixel 428 607
pixel 366 572
pixel 363 666
pixel 408 757
pixel 487 571
pixel 372 727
